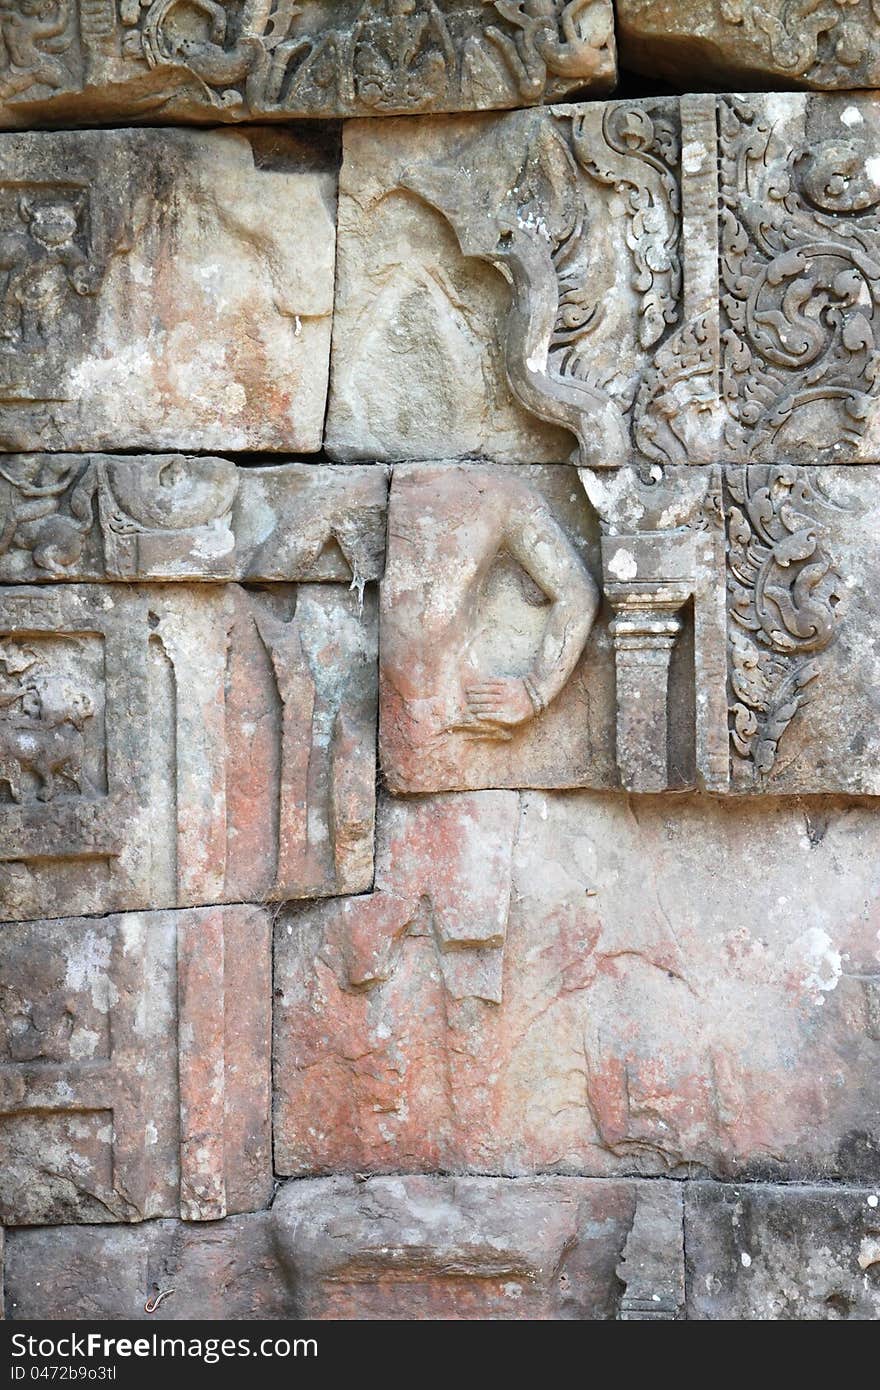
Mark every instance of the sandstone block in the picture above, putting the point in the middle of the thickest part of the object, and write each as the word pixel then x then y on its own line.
pixel 668 281
pixel 782 1254
pixel 685 990
pixel 168 517
pixel 91 60
pixel 163 289
pixel 135 1063
pixel 422 1247
pixel 175 743
pixel 734 649
pixel 226 1270
pixel 828 44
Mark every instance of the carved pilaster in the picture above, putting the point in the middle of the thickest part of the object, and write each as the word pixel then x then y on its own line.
pixel 645 631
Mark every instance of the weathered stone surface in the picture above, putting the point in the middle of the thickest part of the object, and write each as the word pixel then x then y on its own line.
pixel 170 745
pixel 164 290
pixel 763 1253
pixel 88 60
pixel 418 344
pixel 168 517
pixel 420 1247
pixel 487 607
pixel 135 1065
pixel 777 43
pixel 735 650
pixel 689 281
pixel 683 987
pixel 225 1270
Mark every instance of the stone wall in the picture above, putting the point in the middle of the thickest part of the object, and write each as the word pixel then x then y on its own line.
pixel 439 659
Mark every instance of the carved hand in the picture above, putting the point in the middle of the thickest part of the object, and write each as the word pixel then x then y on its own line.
pixel 504 700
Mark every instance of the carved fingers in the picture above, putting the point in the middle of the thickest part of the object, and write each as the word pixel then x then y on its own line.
pixel 504 700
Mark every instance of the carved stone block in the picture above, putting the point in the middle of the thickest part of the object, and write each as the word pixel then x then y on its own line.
pixel 169 745
pixel 497 667
pixel 669 993
pixel 223 1270
pixel 163 289
pixel 688 281
pixel 134 1066
pixel 735 650
pixel 782 1254
pixel 777 43
pixel 168 517
pixel 430 1247
pixel 180 742
pixel 443 882
pixel 88 60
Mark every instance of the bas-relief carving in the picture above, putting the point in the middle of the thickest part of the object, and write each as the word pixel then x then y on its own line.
pixel 200 59
pixel 112 335
pixel 173 743
pixel 690 281
pixel 733 650
pixel 170 517
pixel 97 1019
pixel 804 43
pixel 616 1041
pixel 800 277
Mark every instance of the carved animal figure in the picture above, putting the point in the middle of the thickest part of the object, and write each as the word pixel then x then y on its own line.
pixel 49 747
pixel 33 520
pixel 40 264
pixel 32 32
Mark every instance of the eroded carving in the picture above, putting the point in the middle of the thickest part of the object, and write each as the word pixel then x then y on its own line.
pixel 784 597
pixel 483 624
pixel 109 332
pixel 747 44
pixel 115 1027
pixel 800 275
pixel 276 58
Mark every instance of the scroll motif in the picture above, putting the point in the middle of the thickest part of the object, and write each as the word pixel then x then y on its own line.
pixel 784 593
pixel 800 278
pixel 382 56
pixel 805 36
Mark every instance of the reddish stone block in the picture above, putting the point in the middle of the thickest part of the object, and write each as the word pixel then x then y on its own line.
pixel 674 991
pixel 135 1066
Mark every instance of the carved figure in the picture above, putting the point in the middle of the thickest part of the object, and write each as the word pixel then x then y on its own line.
pixel 44 738
pixel 41 264
pixel 430 664
pixel 33 521
pixel 213 57
pixel 32 34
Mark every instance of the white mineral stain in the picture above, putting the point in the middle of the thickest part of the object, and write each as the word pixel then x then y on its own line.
pixel 823 962
pixel 623 565
pixel 692 156
pixel 852 116
pixel 746 1260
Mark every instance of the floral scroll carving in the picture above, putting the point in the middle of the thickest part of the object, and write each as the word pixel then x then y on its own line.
pixel 784 595
pixel 806 36
pixel 800 281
